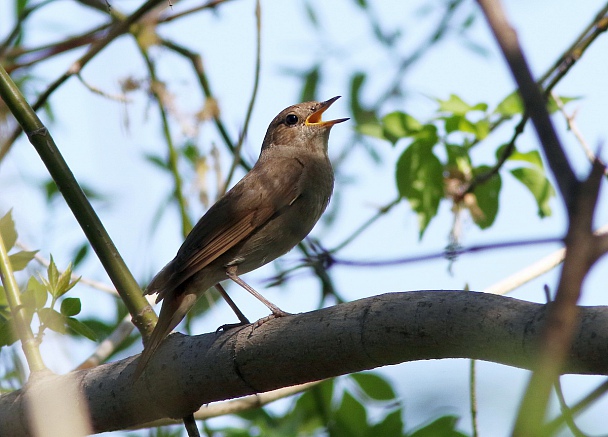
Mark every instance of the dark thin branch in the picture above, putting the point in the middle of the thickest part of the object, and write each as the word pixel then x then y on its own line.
pixel 533 99
pixel 447 254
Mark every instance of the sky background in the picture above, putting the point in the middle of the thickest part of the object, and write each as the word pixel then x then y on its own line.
pixel 106 152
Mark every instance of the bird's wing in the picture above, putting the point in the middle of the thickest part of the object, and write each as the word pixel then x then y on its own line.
pixel 236 215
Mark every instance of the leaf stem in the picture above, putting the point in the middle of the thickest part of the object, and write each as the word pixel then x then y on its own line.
pixel 13 296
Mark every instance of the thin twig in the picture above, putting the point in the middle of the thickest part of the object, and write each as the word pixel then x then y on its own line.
pixel 117 29
pixel 589 400
pixel 573 127
pixel 256 82
pixel 157 89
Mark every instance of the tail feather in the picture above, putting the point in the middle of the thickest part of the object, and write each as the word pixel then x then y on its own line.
pixel 174 309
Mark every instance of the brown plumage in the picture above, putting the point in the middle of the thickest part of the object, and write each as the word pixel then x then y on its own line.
pixel 262 217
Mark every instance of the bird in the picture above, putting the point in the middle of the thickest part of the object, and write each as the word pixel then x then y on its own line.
pixel 268 212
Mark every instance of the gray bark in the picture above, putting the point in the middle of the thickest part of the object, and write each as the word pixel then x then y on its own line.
pixel 187 372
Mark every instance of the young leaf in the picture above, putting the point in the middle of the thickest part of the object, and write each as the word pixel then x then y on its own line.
pixel 486 195
pixel 420 180
pixel 532 157
pixel 37 291
pixel 8 231
pixel 397 125
pixel 70 306
pixel 53 319
pixel 21 259
pixel 80 328
pixel 510 106
pixel 540 187
pixel 454 105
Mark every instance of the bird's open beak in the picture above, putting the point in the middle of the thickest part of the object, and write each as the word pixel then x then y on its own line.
pixel 315 117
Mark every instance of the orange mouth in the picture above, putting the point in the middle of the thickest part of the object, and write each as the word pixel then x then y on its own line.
pixel 315 117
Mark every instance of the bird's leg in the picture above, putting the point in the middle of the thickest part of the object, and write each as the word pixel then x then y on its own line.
pixel 243 320
pixel 276 311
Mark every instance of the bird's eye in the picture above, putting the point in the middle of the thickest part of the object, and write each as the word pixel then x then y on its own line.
pixel 291 119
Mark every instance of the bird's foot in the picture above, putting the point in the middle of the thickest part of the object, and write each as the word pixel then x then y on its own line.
pixel 275 315
pixel 229 326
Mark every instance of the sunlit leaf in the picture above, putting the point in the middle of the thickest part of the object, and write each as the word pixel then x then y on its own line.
pixel 53 319
pixel 538 184
pixel 8 231
pixel 398 124
pixel 486 196
pixel 511 105
pixel 80 328
pixel 21 259
pixel 420 180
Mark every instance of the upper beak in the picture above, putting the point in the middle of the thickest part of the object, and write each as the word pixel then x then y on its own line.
pixel 315 117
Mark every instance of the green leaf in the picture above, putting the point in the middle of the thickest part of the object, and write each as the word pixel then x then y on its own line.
pixel 64 283
pixel 350 420
pixel 459 123
pixel 8 231
pixel 533 157
pixel 53 319
pixel 190 152
pixel 371 130
pixel 455 105
pixel 443 427
pixel 8 333
pixel 35 295
pixel 374 386
pixel 360 114
pixel 70 306
pixel 81 254
pixel 483 128
pixel 419 178
pixel 21 259
pixel 538 184
pixel 81 329
pixel 510 106
pixel 398 124
pixel 52 275
pixel 552 104
pixel 311 83
pixel 390 426
pixel 486 195
pixel 458 157
pixel 157 161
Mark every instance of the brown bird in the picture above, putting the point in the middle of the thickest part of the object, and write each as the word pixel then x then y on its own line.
pixel 262 217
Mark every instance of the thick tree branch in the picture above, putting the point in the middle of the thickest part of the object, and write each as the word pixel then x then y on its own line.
pixel 188 372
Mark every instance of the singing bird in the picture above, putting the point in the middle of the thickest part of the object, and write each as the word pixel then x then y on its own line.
pixel 268 212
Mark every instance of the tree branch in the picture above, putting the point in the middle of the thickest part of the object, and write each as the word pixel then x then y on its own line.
pixel 188 372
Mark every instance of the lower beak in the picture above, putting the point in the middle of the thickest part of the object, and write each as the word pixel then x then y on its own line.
pixel 315 117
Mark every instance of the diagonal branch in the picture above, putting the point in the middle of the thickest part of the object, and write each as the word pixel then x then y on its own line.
pixel 533 99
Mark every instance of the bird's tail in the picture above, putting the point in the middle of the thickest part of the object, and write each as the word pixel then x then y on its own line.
pixel 175 306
